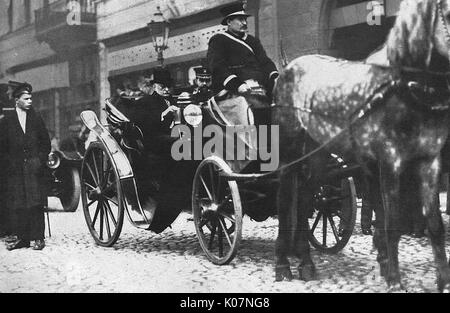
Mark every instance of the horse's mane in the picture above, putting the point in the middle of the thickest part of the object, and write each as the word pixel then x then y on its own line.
pixel 410 42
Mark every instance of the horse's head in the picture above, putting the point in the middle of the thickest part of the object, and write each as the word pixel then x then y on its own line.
pixel 422 27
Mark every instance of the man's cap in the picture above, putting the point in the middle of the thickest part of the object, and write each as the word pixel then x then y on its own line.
pixel 202 72
pixel 161 76
pixel 18 89
pixel 233 10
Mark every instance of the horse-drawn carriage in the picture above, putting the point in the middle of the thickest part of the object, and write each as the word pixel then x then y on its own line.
pixel 391 119
pixel 120 176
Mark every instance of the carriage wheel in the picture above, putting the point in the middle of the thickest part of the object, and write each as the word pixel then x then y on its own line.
pixel 102 196
pixel 217 211
pixel 334 216
pixel 70 195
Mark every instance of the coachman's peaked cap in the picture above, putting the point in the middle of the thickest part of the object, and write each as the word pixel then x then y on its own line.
pixel 18 89
pixel 202 72
pixel 235 9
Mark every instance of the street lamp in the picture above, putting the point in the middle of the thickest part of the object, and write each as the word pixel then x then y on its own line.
pixel 159 30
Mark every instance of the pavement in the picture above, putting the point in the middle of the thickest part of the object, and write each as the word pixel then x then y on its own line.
pixel 173 262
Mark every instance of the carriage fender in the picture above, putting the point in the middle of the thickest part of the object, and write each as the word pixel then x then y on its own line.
pixel 121 162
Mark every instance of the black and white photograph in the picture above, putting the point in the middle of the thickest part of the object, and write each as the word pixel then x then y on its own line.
pixel 224 152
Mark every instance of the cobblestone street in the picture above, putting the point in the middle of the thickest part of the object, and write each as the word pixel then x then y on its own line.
pixel 173 262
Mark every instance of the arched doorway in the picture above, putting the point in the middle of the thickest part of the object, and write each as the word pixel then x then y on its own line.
pixel 349 34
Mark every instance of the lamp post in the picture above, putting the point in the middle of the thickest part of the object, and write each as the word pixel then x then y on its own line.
pixel 159 30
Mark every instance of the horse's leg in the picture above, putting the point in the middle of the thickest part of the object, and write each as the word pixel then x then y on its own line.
pixel 287 206
pixel 429 174
pixel 390 188
pixel 366 207
pixel 372 190
pixel 302 250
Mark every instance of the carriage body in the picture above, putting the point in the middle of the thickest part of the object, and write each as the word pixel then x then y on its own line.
pixel 121 177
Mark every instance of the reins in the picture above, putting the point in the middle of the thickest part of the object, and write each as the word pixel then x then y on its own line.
pixel 377 99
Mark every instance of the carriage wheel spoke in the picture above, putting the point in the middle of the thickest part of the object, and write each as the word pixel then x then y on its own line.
pixel 213 188
pixel 97 172
pixel 213 234
pixel 228 217
pixel 324 230
pixel 111 200
pixel 89 186
pixel 94 177
pixel 219 186
pixel 206 189
pixel 316 222
pixel 105 214
pixel 333 227
pixel 95 215
pixel 108 208
pixel 101 172
pixel 91 203
pixel 220 241
pixel 101 221
pixel 225 231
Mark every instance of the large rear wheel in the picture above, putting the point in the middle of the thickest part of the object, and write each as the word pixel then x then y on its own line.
pixel 103 201
pixel 334 214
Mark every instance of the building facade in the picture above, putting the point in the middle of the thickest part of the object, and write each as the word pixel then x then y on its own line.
pixel 78 53
pixel 52 45
pixel 127 50
pixel 349 29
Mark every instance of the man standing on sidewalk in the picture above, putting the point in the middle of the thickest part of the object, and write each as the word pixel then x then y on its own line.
pixel 25 145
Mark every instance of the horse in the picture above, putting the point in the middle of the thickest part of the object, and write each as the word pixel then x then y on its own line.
pixel 391 119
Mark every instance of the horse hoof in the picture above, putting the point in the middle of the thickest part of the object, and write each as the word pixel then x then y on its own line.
pixel 396 288
pixel 283 273
pixel 307 272
pixel 445 289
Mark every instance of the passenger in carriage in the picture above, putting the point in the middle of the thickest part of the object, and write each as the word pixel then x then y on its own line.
pixel 203 81
pixel 155 114
pixel 235 56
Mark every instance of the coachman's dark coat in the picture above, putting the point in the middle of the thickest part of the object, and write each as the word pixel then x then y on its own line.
pixel 234 60
pixel 25 156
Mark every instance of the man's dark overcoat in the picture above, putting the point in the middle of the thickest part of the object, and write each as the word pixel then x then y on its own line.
pixel 146 113
pixel 25 156
pixel 233 60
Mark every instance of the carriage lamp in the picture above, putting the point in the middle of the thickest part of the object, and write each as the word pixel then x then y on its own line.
pixel 159 30
pixel 53 161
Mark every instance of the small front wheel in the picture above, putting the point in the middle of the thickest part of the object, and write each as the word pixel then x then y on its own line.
pixel 217 211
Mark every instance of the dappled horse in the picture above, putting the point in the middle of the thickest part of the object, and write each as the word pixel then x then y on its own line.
pixel 390 119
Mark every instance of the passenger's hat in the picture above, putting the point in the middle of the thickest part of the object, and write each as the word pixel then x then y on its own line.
pixel 161 76
pixel 18 89
pixel 202 72
pixel 233 10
